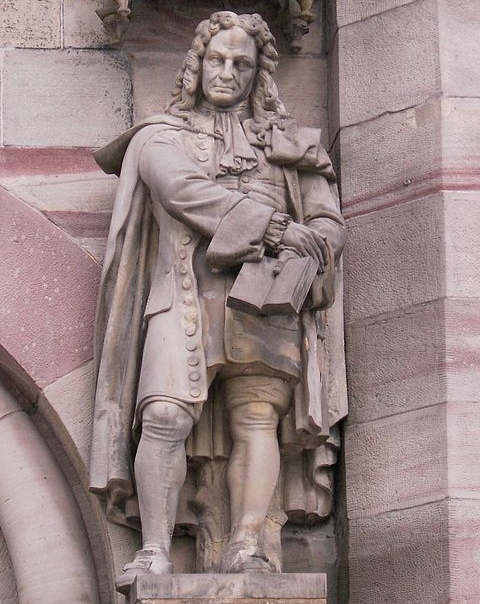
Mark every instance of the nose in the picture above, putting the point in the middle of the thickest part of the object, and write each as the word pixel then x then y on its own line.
pixel 227 71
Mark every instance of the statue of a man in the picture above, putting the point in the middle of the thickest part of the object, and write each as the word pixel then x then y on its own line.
pixel 224 177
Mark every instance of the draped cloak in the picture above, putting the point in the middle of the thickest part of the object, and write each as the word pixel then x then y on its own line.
pixel 320 398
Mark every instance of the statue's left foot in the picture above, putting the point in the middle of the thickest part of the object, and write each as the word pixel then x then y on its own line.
pixel 240 558
pixel 146 561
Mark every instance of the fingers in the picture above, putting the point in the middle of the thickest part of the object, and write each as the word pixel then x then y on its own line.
pixel 307 243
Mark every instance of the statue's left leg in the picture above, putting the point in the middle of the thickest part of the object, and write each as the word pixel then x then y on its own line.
pixel 255 404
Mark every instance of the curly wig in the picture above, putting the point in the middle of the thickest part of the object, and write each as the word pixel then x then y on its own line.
pixel 265 104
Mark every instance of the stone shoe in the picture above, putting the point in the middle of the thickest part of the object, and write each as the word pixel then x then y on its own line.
pixel 146 561
pixel 242 558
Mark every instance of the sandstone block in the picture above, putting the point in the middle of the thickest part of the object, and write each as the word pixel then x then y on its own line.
pixel 396 462
pixel 401 556
pixel 389 62
pixel 464 525
pixel 391 160
pixel 463 423
pixel 462 244
pixel 248 588
pixel 65 98
pixel 72 397
pixel 462 349
pixel 461 141
pixel 395 362
pixel 82 26
pixel 393 258
pixel 349 11
pixel 302 82
pixel 459 47
pixel 48 294
pixel 153 79
pixel 28 24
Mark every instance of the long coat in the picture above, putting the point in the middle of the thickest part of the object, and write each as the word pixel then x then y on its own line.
pixel 148 271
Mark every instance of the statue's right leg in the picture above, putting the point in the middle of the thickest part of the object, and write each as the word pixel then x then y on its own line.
pixel 160 471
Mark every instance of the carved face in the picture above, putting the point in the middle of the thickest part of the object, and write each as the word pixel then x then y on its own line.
pixel 229 67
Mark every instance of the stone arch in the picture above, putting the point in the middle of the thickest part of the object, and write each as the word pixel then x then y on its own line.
pixel 58 545
pixel 45 535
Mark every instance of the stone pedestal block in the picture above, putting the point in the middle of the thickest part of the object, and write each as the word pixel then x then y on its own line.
pixel 254 588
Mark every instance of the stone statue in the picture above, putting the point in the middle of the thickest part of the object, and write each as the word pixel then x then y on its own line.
pixel 244 402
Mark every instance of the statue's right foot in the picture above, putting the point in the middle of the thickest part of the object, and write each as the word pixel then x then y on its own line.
pixel 146 562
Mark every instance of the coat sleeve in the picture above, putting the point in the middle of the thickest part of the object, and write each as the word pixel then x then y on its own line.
pixel 233 222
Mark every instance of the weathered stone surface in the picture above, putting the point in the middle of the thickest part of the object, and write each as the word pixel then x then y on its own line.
pixel 463 423
pixel 72 398
pixel 30 24
pixel 462 349
pixel 461 142
pixel 82 27
pixel 389 62
pixel 464 531
pixel 395 362
pixel 225 588
pixel 16 162
pixel 48 294
pixel 459 48
pixel 462 243
pixel 302 82
pixel 349 11
pixel 153 79
pixel 401 556
pixel 56 98
pixel 8 586
pixel 391 160
pixel 396 462
pixel 40 519
pixel 311 551
pixel 394 258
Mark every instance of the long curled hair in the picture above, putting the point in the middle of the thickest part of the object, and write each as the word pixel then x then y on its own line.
pixel 266 107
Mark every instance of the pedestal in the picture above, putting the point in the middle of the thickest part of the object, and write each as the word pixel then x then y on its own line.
pixel 250 588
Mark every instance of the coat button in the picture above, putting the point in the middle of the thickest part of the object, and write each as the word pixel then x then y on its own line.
pixel 183 254
pixel 186 239
pixel 191 316
pixel 203 157
pixel 190 330
pixel 188 300
pixel 183 269
pixel 186 284
pixel 203 145
pixel 201 135
pixel 193 361
pixel 245 178
pixel 195 392
pixel 190 345
pixel 194 376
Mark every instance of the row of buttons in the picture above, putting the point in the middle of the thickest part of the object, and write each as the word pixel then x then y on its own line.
pixel 203 145
pixel 191 318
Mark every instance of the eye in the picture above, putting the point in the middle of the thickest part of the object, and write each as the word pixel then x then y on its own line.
pixel 215 61
pixel 243 65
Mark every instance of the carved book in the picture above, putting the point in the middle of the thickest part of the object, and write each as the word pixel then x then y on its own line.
pixel 258 291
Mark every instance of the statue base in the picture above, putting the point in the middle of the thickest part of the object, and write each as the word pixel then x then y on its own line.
pixel 248 588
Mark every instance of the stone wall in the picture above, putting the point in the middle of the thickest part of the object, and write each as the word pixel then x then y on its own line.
pixel 406 131
pixel 64 92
